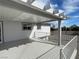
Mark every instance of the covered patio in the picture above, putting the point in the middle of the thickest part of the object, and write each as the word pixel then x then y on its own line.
pixel 30 48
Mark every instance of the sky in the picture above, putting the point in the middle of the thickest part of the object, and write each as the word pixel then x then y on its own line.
pixel 70 8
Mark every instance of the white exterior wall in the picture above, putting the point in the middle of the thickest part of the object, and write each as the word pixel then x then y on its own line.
pixel 44 31
pixel 13 31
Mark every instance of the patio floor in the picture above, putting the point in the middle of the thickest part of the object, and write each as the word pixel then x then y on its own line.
pixel 24 49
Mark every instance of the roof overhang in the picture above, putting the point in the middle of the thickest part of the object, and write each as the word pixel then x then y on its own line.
pixel 21 6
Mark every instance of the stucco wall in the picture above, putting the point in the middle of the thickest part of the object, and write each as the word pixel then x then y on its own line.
pixel 13 31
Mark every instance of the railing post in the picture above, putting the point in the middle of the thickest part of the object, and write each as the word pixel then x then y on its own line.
pixel 60 53
pixel 59 32
pixel 76 41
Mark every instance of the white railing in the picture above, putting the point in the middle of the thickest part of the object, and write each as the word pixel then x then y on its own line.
pixel 41 35
pixel 67 51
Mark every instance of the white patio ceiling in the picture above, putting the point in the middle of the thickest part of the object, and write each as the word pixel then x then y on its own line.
pixel 20 11
pixel 9 14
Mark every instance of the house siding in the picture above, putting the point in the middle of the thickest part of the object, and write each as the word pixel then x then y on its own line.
pixel 13 31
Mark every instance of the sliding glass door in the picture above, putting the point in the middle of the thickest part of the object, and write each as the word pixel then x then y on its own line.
pixel 1 40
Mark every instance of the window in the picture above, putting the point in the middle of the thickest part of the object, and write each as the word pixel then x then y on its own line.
pixel 38 27
pixel 26 26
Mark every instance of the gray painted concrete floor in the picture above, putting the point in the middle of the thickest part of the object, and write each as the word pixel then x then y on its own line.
pixel 23 49
pixel 52 54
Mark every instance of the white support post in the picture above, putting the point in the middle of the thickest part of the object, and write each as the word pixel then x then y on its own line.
pixel 59 32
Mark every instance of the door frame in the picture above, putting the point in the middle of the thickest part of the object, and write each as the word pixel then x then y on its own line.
pixel 1 33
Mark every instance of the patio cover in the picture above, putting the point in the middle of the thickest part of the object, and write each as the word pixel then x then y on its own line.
pixel 16 10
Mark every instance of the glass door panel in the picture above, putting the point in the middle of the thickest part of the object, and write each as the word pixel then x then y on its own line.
pixel 0 32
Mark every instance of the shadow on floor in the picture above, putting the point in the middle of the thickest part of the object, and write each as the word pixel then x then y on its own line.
pixel 7 45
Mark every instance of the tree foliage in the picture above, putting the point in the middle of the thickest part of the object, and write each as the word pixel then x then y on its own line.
pixel 71 28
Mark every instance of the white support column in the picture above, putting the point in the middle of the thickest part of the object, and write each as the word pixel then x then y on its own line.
pixel 59 32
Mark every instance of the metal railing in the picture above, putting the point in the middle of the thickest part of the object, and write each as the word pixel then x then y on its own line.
pixel 67 51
